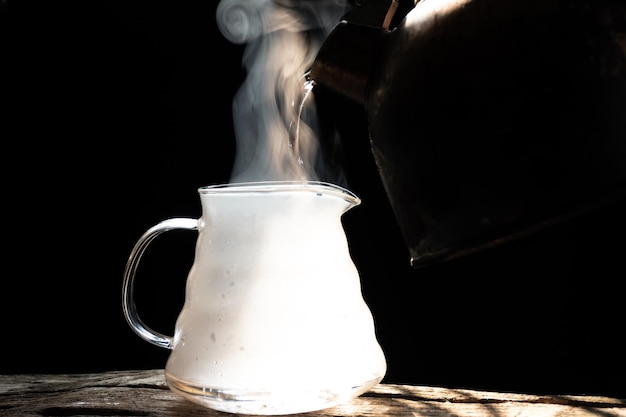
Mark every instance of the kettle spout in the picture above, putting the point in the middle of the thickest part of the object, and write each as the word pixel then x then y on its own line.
pixel 345 61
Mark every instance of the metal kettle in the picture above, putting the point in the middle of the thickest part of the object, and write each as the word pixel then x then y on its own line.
pixel 488 119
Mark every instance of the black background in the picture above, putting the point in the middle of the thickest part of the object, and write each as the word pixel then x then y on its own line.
pixel 116 112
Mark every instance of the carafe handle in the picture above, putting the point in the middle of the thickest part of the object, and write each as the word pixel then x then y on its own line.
pixel 128 301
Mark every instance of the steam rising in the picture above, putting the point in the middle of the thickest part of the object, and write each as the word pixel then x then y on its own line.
pixel 282 38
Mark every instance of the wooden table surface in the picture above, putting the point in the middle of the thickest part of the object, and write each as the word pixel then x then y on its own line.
pixel 145 393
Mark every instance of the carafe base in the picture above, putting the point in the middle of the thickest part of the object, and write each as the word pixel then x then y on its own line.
pixel 267 402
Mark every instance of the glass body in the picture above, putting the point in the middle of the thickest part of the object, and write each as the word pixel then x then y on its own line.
pixel 274 321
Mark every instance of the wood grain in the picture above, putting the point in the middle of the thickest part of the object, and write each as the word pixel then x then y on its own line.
pixel 145 393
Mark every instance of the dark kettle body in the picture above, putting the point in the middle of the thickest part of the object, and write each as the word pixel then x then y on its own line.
pixel 488 119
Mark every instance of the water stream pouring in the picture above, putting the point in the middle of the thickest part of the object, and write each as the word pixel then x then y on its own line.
pixel 488 119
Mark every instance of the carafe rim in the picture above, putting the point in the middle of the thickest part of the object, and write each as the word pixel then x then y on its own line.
pixel 321 187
